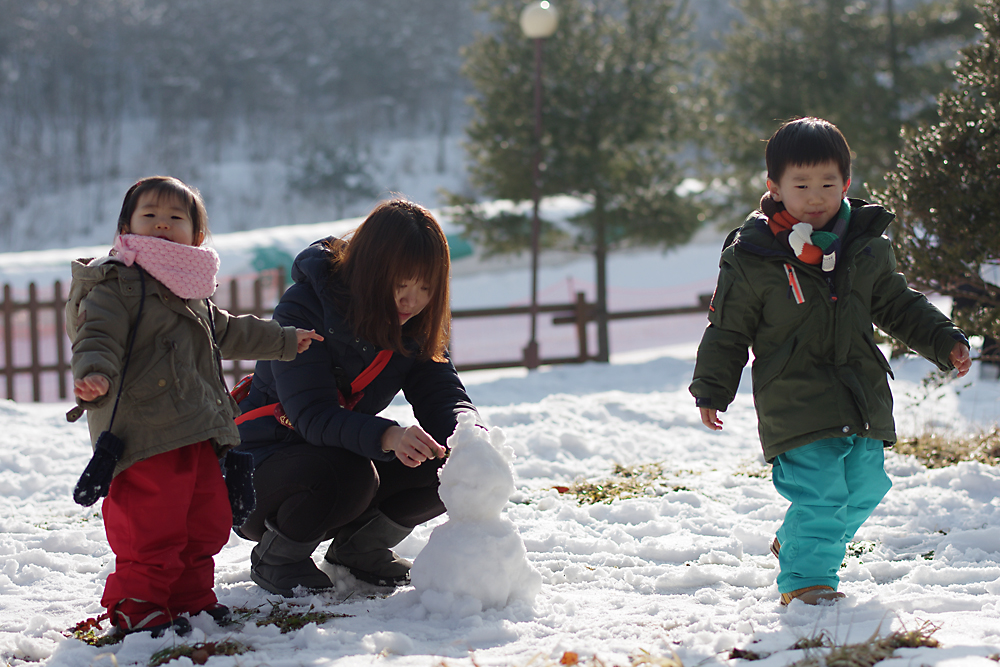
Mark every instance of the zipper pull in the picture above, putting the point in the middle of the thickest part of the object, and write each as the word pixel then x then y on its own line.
pixel 833 291
pixel 794 288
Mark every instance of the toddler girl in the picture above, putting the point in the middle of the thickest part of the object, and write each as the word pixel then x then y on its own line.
pixel 147 346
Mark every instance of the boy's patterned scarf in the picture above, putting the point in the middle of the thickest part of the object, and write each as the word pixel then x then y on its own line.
pixel 812 247
pixel 187 271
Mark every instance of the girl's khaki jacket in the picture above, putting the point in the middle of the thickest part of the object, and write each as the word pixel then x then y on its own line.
pixel 174 393
pixel 817 372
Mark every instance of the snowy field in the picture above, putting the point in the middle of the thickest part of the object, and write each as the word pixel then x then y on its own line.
pixel 684 569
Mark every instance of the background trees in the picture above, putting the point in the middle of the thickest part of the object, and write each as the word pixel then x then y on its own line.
pixel 615 75
pixel 946 189
pixel 869 67
pixel 290 102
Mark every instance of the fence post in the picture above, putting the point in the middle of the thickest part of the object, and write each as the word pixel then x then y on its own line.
pixel 8 339
pixel 36 375
pixel 60 314
pixel 234 307
pixel 580 311
pixel 279 276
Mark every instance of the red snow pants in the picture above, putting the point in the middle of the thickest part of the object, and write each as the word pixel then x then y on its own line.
pixel 166 517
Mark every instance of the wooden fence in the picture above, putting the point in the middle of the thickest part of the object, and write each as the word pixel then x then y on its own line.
pixel 37 350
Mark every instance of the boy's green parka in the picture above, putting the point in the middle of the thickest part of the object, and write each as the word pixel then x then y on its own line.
pixel 817 372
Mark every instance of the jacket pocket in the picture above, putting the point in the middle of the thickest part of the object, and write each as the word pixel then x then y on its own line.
pixel 766 370
pixel 149 393
pixel 878 355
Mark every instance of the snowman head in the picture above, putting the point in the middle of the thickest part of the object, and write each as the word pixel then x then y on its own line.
pixel 478 479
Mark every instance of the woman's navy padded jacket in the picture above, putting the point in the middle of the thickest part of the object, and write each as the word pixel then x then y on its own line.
pixel 307 386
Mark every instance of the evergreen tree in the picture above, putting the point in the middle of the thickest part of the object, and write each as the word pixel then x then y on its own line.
pixel 867 67
pixel 614 72
pixel 946 191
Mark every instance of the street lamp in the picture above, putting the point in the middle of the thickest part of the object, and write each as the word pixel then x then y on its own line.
pixel 538 21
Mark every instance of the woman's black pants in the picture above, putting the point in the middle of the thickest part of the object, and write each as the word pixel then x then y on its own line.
pixel 309 492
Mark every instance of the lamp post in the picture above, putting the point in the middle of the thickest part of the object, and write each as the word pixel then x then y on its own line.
pixel 538 21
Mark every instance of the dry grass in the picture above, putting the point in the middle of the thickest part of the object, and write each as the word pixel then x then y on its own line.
pixel 573 659
pixel 625 482
pixel 287 619
pixel 823 651
pixel 198 653
pixel 937 451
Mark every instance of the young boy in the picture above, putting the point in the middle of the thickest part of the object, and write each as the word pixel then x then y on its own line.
pixel 802 282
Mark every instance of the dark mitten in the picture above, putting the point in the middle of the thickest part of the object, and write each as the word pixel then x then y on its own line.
pixel 239 482
pixel 96 478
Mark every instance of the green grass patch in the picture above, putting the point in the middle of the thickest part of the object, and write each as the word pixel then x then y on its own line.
pixel 288 619
pixel 198 653
pixel 91 632
pixel 625 482
pixel 754 469
pixel 938 451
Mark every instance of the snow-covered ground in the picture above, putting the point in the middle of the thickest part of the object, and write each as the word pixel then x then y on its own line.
pixel 684 569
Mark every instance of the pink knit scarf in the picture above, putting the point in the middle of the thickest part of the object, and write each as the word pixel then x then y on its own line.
pixel 187 271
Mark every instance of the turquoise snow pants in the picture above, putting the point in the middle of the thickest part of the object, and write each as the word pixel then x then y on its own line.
pixel 834 485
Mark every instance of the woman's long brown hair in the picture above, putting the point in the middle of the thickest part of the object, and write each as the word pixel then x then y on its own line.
pixel 397 242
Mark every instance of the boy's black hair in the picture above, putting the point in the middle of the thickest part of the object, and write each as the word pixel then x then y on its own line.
pixel 806 141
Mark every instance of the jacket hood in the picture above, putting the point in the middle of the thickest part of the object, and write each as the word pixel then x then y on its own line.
pixel 312 265
pixel 95 269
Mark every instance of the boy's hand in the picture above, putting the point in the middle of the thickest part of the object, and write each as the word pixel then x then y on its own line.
pixel 959 358
pixel 91 387
pixel 710 418
pixel 305 339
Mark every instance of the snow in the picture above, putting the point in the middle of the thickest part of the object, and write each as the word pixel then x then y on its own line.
pixel 683 567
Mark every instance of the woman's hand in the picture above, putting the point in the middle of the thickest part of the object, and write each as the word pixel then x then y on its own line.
pixel 412 445
pixel 91 387
pixel 959 358
pixel 304 338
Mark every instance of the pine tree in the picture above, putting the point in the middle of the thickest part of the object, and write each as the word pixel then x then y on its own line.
pixel 614 75
pixel 867 67
pixel 946 190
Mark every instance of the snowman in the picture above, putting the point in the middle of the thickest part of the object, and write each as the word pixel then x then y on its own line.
pixel 476 560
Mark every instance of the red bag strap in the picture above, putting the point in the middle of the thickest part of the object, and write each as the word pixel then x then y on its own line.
pixel 275 409
pixel 370 373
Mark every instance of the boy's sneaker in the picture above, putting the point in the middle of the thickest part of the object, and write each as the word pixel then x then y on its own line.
pixel 132 615
pixel 809 594
pixel 812 595
pixel 220 613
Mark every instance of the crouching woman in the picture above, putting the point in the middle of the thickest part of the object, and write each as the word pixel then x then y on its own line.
pixel 327 466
